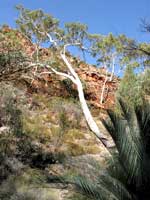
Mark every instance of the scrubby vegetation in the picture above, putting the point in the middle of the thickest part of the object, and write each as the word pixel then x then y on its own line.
pixel 127 173
pixel 34 136
pixel 47 146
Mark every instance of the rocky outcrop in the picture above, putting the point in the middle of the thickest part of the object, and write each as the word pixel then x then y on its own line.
pixel 54 135
pixel 93 78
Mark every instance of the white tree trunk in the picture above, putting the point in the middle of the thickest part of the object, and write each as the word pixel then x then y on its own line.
pixel 88 116
pixel 103 89
pixel 106 78
pixel 113 68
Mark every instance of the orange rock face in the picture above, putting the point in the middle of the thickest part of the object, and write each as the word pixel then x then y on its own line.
pixel 93 78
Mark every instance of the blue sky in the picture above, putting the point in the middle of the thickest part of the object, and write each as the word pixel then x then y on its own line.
pixel 101 16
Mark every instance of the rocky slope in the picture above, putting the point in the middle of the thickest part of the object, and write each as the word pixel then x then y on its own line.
pixel 93 78
pixel 43 130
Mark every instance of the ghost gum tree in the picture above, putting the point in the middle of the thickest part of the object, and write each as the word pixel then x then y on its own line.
pixel 41 28
pixel 115 54
pixel 105 49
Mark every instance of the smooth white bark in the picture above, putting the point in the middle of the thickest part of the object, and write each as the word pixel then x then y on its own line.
pixel 107 78
pixel 103 88
pixel 113 68
pixel 88 116
pixel 73 76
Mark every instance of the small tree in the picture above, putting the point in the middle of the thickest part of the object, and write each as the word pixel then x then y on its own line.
pixel 113 53
pixel 105 48
pixel 41 27
pixel 130 89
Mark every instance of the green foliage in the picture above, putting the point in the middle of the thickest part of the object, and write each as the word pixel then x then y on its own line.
pixel 70 107
pixel 77 196
pixel 134 88
pixel 69 87
pixel 35 24
pixel 145 78
pixel 40 27
pixel 118 50
pixel 129 142
pixel 59 126
pixel 9 40
pixel 15 119
pixel 110 50
pixel 29 185
pixel 130 134
pixel 11 127
pixel 12 64
pixel 12 57
pixel 130 88
pixel 75 33
pixel 127 175
pixel 105 47
pixel 10 119
pixel 36 130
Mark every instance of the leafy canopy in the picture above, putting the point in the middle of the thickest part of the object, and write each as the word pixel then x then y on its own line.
pixel 35 24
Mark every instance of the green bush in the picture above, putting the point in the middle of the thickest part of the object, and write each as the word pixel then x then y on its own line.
pixel 130 88
pixel 146 82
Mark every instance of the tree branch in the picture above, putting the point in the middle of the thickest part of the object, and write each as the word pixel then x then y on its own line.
pixel 65 75
pixel 51 39
pixel 70 44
